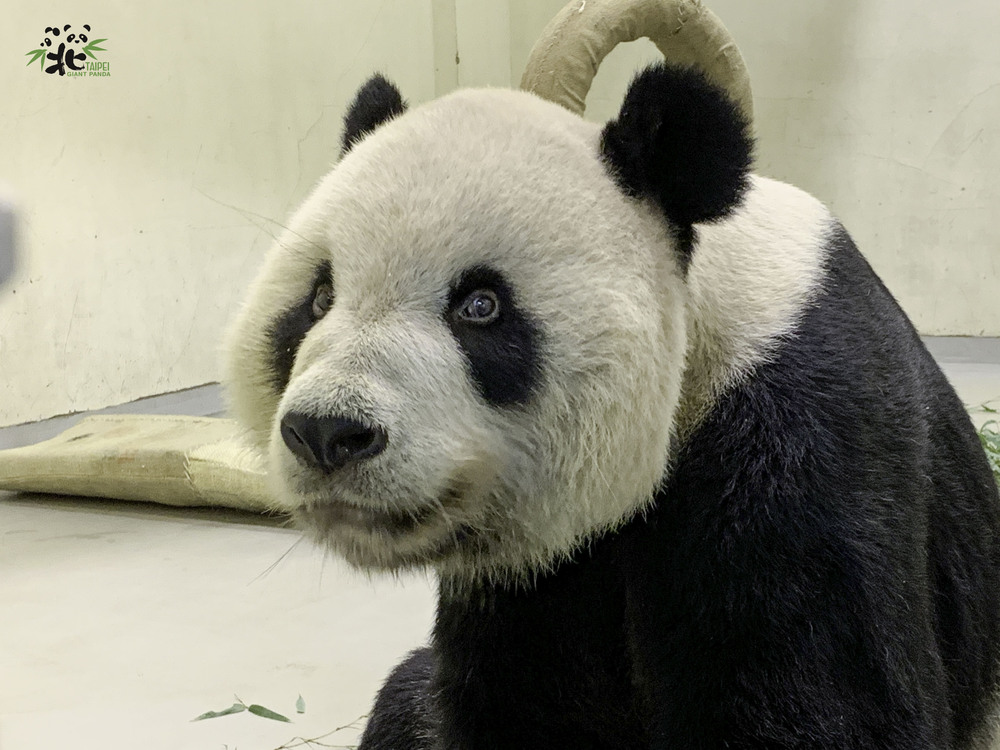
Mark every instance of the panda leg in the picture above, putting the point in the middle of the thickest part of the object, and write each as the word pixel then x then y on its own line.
pixel 402 718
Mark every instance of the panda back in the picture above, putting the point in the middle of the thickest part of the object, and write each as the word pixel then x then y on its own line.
pixel 829 496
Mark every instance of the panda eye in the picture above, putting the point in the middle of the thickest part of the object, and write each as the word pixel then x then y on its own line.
pixel 482 307
pixel 322 301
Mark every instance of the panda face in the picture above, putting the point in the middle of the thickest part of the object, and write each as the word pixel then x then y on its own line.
pixel 467 347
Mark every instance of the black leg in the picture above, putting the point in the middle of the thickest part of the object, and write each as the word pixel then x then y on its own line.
pixel 402 718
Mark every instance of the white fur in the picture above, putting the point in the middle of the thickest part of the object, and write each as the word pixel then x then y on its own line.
pixel 750 280
pixel 505 179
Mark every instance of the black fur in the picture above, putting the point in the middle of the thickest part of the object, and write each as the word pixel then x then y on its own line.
pixel 376 102
pixel 287 331
pixel 820 571
pixel 404 717
pixel 832 534
pixel 682 142
pixel 504 357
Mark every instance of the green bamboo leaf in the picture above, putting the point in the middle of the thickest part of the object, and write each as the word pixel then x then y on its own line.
pixel 38 53
pixel 258 710
pixel 300 705
pixel 989 436
pixel 91 48
pixel 233 709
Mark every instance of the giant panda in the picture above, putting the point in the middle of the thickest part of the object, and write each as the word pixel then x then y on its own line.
pixel 685 472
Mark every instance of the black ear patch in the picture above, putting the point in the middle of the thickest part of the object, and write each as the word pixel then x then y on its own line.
pixel 377 102
pixel 681 141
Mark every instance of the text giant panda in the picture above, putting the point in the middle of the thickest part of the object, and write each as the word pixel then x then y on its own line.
pixel 686 474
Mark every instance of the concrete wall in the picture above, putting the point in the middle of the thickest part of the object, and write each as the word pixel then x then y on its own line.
pixel 889 112
pixel 148 196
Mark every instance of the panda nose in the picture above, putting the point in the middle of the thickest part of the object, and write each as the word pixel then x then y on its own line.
pixel 330 443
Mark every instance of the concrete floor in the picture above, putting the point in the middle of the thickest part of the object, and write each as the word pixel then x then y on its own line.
pixel 123 621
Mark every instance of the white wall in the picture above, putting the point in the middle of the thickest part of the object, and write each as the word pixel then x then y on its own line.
pixel 887 111
pixel 149 197
pixel 890 112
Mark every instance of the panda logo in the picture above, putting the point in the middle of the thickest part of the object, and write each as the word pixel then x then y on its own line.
pixel 639 410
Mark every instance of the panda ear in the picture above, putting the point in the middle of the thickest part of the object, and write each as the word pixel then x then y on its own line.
pixel 682 142
pixel 377 102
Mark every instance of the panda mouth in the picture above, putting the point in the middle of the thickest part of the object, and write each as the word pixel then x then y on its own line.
pixel 392 522
pixel 330 513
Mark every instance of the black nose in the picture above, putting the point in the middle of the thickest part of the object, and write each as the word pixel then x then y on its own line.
pixel 330 443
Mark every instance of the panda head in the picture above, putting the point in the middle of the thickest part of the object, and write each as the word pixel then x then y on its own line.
pixel 466 349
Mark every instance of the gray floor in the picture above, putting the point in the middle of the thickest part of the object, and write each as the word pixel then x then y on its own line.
pixel 123 621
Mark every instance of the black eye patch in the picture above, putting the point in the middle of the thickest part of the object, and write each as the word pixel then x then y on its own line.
pixel 288 329
pixel 503 348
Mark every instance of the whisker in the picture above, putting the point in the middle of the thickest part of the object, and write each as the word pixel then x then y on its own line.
pixel 277 562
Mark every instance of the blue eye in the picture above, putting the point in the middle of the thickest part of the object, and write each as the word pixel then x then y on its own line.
pixel 481 307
